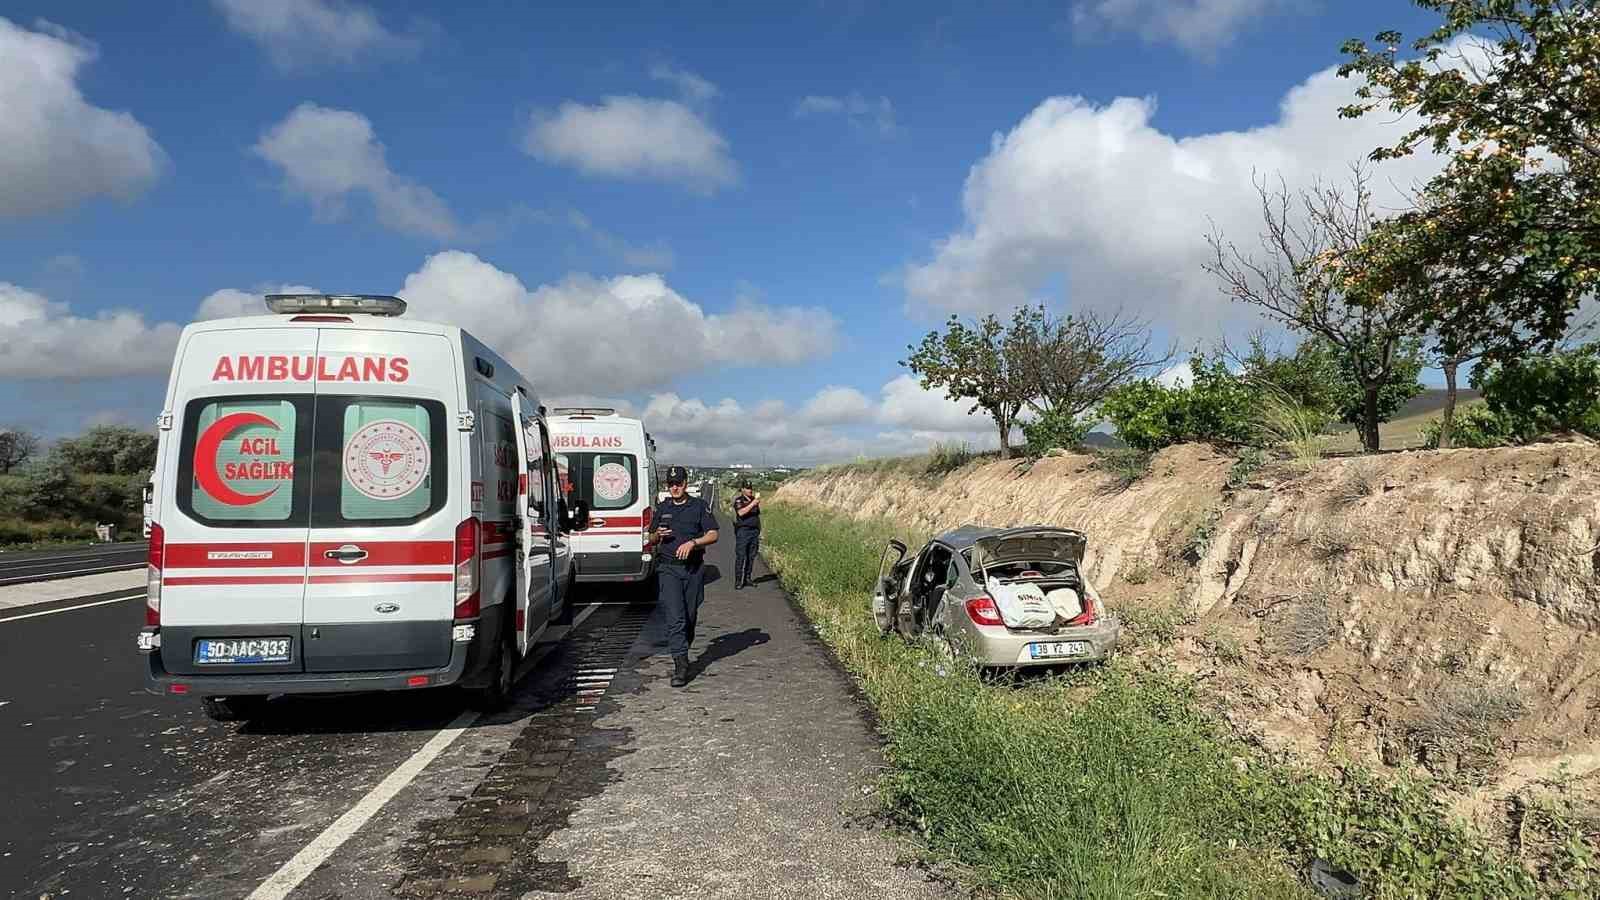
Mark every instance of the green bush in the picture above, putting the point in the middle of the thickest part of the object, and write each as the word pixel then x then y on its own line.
pixel 109 450
pixel 1055 429
pixel 1538 395
pixel 945 458
pixel 1474 426
pixel 1218 406
pixel 20 531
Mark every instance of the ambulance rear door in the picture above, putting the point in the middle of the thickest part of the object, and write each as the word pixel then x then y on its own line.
pixel 380 590
pixel 235 509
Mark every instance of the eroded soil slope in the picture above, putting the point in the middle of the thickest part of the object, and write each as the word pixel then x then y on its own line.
pixel 1437 607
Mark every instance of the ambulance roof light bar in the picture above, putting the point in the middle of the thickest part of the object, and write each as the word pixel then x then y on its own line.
pixel 368 304
pixel 584 411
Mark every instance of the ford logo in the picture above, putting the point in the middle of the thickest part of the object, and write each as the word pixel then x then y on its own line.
pixel 386 608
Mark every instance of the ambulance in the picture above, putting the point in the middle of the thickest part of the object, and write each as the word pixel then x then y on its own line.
pixel 349 500
pixel 611 468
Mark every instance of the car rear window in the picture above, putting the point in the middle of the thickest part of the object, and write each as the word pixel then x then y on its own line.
pixel 603 480
pixel 297 460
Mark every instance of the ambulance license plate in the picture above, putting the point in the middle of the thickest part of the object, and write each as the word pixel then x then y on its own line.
pixel 213 651
pixel 1058 649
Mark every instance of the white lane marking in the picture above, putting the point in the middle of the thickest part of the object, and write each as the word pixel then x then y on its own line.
pixel 314 854
pixel 45 576
pixel 324 845
pixel 51 612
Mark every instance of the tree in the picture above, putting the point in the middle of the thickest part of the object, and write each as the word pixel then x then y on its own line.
pixel 1069 363
pixel 109 450
pixel 1312 280
pixel 17 445
pixel 1510 89
pixel 974 362
pixel 1550 393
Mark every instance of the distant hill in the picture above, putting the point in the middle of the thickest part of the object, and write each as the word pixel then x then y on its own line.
pixel 1405 429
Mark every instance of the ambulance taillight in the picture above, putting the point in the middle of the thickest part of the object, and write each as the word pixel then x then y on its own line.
pixel 467 606
pixel 152 585
pixel 648 518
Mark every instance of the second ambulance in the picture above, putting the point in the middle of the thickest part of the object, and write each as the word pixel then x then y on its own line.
pixel 610 467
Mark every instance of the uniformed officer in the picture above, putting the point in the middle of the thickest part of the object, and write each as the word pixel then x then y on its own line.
pixel 684 527
pixel 746 532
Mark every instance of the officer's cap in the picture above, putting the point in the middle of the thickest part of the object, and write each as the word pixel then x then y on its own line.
pixel 677 475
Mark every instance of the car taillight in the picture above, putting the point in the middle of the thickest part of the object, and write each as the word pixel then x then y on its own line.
pixel 152 578
pixel 982 611
pixel 467 606
pixel 1091 610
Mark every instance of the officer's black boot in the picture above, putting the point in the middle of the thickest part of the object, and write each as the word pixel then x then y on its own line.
pixel 680 670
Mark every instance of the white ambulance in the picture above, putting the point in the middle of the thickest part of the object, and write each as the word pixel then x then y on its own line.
pixel 611 469
pixel 349 500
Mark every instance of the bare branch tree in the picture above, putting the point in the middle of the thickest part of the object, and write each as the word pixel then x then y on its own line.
pixel 17 446
pixel 1308 276
pixel 1069 363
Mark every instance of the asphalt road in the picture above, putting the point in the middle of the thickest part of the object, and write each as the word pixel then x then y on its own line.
pixel 23 567
pixel 112 792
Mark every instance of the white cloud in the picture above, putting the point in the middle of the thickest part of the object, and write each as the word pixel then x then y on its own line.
pixel 634 137
pixel 836 405
pixel 904 403
pixel 656 256
pixel 43 339
pixel 1097 197
pixel 861 112
pixel 585 334
pixel 1200 27
pixel 691 87
pixel 329 154
pixel 56 149
pixel 230 302
pixel 309 33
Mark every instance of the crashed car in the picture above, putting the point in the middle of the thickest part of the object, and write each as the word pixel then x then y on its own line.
pixel 1002 597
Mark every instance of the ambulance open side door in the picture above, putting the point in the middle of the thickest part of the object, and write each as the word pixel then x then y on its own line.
pixel 536 524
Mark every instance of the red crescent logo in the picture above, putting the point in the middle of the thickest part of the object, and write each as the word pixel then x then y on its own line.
pixel 205 458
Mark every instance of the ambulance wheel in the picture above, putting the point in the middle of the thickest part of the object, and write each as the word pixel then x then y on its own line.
pixel 232 709
pixel 494 696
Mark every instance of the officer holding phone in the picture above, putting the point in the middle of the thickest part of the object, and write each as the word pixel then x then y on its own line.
pixel 684 527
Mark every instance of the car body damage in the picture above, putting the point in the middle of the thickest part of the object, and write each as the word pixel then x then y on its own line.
pixel 1012 597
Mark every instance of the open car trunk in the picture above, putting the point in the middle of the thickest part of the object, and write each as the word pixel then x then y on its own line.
pixel 1033 576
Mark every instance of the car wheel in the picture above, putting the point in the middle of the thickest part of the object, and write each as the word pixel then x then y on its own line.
pixel 494 696
pixel 232 709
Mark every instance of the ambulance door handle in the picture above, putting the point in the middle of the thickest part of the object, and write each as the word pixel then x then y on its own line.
pixel 347 554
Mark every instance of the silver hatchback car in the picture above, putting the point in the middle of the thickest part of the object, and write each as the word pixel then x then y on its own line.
pixel 1003 597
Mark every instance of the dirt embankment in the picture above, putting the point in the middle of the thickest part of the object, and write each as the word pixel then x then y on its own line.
pixel 1439 607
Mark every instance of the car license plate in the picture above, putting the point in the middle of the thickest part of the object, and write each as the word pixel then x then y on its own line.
pixel 213 651
pixel 1058 649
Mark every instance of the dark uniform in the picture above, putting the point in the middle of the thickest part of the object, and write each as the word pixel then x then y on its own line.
pixel 746 538
pixel 681 582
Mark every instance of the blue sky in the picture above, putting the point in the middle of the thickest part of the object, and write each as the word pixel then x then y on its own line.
pixel 791 196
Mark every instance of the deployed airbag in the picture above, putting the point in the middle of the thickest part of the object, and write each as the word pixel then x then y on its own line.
pixel 1021 605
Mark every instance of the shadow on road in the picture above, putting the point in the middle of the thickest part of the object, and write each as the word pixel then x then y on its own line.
pixel 726 645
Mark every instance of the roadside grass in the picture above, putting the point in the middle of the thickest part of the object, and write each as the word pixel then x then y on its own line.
pixel 1116 781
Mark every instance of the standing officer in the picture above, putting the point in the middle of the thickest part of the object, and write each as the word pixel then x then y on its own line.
pixel 684 527
pixel 746 532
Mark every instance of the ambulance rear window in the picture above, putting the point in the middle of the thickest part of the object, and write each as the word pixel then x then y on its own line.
pixel 245 461
pixel 380 460
pixel 603 480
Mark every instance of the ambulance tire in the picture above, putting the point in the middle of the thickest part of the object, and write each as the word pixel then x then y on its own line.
pixel 502 672
pixel 233 709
